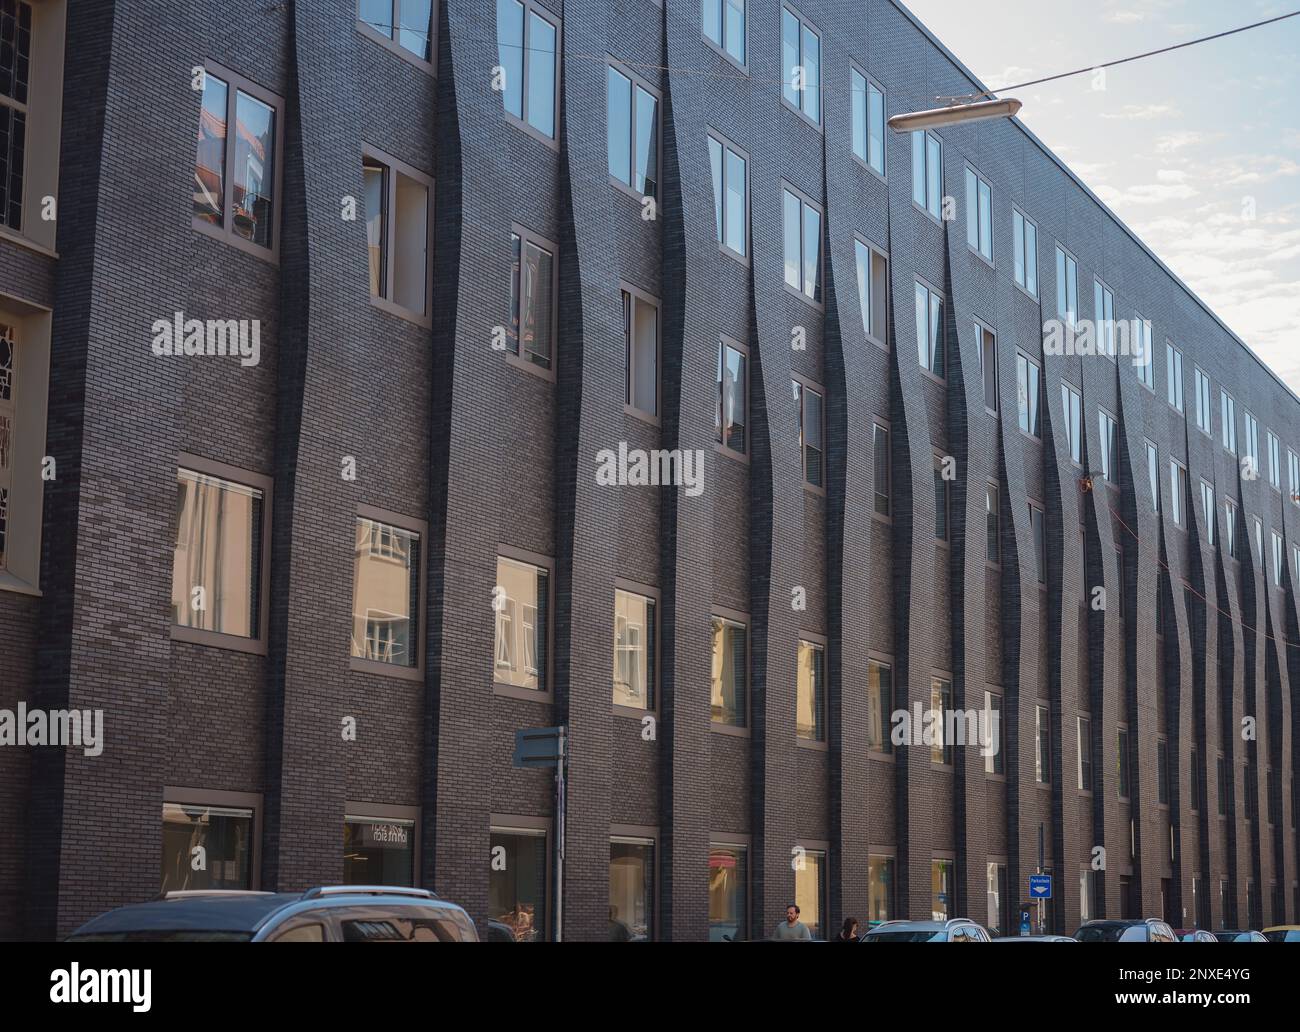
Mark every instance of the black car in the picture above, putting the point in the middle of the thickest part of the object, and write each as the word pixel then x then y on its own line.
pixel 1148 929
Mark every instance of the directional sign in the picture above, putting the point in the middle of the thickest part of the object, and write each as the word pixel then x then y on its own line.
pixel 538 747
pixel 1040 886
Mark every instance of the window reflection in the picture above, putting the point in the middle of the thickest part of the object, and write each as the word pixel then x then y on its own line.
pixel 521 608
pixel 517 884
pixel 728 893
pixel 631 890
pixel 206 847
pixel 217 559
pixel 385 593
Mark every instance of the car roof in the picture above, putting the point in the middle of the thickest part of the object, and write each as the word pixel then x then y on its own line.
pixel 240 911
pixel 920 926
pixel 1283 928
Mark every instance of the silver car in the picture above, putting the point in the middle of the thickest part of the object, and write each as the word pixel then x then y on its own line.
pixel 957 929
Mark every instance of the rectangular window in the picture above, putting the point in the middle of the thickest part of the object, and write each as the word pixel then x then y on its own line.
pixel 1259 539
pixel 1122 760
pixel 1083 741
pixel 634 650
pixel 1028 394
pixel 730 678
pixel 1228 411
pixel 1072 409
pixel 1295 562
pixel 1174 372
pixel 1194 781
pixel 724 27
pixel 533 285
pixel 1153 475
pixel 941 704
pixel 641 352
pixel 1208 511
pixel 801 58
pixel 1178 492
pixel 993 523
pixel 1293 476
pixel 378 851
pixel 1252 443
pixel 940 501
pixel 1162 772
pixel 979 214
pixel 1067 288
pixel 1042 746
pixel 223 835
pixel 528 53
pixel 399 234
pixel 929 330
pixel 1144 359
pixel 809 404
pixel 873 291
pixel 881 467
pixel 1230 518
pixel 1221 770
pixel 1278 563
pixel 999 901
pixel 730 169
pixel 810 693
pixel 517 885
pixel 880 889
pixel 927 172
pixel 1036 530
pixel 385 594
pixel 631 889
pixel 732 397
pixel 880 706
pixel 632 131
pixel 994 762
pixel 408 23
pixel 217 564
pixel 235 175
pixel 15 83
pixel 1025 235
pixel 1103 314
pixel 728 893
pixel 942 886
pixel 803 245
pixel 522 604
pixel 8 423
pixel 988 352
pixel 1203 415
pixel 868 122
pixel 1109 431
pixel 1274 461
pixel 810 895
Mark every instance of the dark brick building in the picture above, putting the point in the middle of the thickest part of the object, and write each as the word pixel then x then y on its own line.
pixel 316 586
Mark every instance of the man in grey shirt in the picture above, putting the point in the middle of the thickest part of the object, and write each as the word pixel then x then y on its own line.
pixel 792 929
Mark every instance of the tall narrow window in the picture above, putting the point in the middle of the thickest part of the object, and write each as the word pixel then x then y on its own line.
pixel 399 235
pixel 1028 394
pixel 940 501
pixel 1174 371
pixel 880 706
pixel 803 241
pixel 941 705
pixel 1278 562
pixel 732 397
pixel 15 82
pixel 1153 475
pixel 808 402
pixel 408 23
pixel 1208 510
pixel 522 621
pixel 988 352
pixel 1025 243
pixel 1072 409
pixel 927 172
pixel 641 353
pixel 929 330
pixel 1144 359
pixel 1293 476
pixel 1083 739
pixel 810 693
pixel 1230 519
pixel 724 27
pixel 235 174
pixel 1274 461
pixel 1109 431
pixel 1228 412
pixel 1067 288
pixel 532 297
pixel 801 59
pixel 632 129
pixel 730 679
pixel 517 886
pixel 1122 761
pixel 873 291
pixel 634 650
pixel 881 467
pixel 1042 746
pixel 528 53
pixel 1037 532
pixel 1162 772
pixel 631 889
pixel 385 594
pixel 1252 443
pixel 1202 400
pixel 868 110
pixel 993 523
pixel 979 214
pixel 730 169
pixel 995 755
pixel 1178 492
pixel 880 888
pixel 1103 309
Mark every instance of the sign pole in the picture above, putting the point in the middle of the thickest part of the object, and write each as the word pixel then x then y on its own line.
pixel 1041 930
pixel 560 763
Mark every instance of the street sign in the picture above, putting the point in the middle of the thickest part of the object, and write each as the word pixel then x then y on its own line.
pixel 1040 886
pixel 538 747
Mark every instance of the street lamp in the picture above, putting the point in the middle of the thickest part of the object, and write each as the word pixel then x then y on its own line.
pixel 953 114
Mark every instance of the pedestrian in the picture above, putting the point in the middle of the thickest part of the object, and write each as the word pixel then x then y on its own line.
pixel 792 929
pixel 849 933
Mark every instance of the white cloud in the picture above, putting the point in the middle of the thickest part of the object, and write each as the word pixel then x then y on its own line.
pixel 1141 113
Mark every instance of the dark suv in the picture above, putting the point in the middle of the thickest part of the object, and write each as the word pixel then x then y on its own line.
pixel 1135 930
pixel 342 913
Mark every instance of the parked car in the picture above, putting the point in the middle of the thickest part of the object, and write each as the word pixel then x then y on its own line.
pixel 1238 935
pixel 338 913
pixel 1147 929
pixel 957 929
pixel 1194 935
pixel 1282 933
pixel 1035 938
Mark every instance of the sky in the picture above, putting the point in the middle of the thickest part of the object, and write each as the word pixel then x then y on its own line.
pixel 1198 151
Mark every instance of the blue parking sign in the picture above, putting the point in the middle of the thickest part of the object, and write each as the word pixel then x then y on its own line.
pixel 1040 886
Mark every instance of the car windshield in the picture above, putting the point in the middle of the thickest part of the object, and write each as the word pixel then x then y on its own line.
pixel 920 935
pixel 163 935
pixel 1100 933
pixel 1226 936
pixel 1283 935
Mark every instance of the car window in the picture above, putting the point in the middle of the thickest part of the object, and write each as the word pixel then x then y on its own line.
pixel 301 933
pixel 396 925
